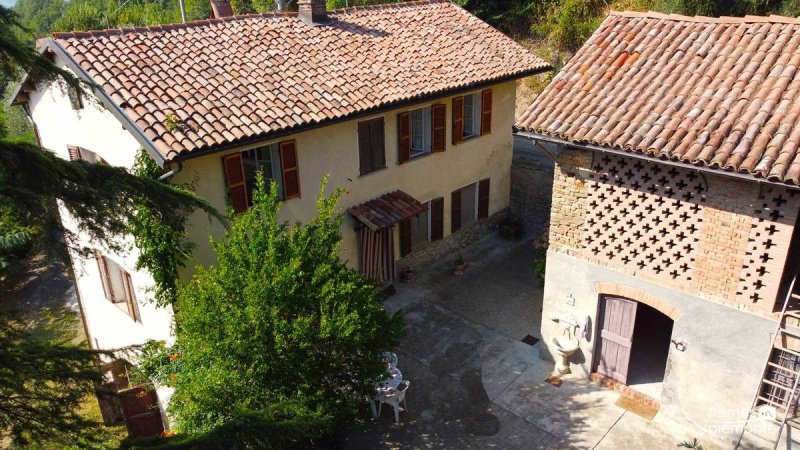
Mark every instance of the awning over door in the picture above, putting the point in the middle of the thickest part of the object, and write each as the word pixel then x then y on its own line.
pixel 387 210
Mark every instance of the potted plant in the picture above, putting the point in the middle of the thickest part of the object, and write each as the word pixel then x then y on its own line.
pixel 459 265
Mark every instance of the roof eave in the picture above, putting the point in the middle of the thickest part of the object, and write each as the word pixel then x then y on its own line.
pixel 705 169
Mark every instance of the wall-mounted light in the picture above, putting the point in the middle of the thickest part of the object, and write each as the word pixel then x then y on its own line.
pixel 679 345
pixel 570 300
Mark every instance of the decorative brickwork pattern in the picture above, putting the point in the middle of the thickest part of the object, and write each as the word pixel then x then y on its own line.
pixel 719 238
pixel 769 238
pixel 644 216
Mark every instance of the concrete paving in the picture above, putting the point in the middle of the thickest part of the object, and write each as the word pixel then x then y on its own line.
pixel 475 384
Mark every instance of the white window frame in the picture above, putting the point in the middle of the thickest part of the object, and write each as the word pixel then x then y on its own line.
pixel 427 130
pixel 275 162
pixel 474 106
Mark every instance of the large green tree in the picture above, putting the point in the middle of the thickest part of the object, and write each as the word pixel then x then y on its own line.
pixel 279 318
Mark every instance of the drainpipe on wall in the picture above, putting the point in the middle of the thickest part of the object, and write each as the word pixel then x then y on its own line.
pixel 172 172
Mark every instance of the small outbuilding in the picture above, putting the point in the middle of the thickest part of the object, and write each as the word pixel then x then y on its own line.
pixel 673 238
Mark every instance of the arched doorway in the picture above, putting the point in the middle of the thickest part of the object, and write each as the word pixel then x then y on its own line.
pixel 634 344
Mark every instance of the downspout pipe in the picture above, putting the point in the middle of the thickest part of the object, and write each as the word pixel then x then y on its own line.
pixel 172 172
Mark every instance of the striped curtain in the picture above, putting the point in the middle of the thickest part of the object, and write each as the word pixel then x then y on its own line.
pixel 377 254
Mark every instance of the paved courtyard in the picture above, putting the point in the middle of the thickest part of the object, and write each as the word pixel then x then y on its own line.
pixel 475 384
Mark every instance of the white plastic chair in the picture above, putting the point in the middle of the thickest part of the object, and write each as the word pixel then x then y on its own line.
pixel 394 399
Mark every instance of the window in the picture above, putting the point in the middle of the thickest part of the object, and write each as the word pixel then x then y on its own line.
pixel 117 286
pixel 267 160
pixel 371 146
pixel 420 131
pixel 472 115
pixel 426 227
pixel 81 154
pixel 420 229
pixel 278 162
pixel 75 98
pixel 469 204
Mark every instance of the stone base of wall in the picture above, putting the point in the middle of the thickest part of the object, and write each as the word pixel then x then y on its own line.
pixel 450 245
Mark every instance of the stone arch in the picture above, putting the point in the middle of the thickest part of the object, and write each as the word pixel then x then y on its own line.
pixel 639 295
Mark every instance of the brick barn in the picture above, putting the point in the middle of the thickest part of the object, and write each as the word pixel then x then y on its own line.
pixel 672 240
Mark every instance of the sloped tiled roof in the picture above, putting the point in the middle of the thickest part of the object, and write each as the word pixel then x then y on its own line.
pixel 387 210
pixel 247 77
pixel 723 93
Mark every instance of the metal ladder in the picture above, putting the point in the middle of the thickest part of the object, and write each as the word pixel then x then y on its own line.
pixel 786 405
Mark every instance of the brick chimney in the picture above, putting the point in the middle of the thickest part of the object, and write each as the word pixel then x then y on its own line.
pixel 312 12
pixel 221 8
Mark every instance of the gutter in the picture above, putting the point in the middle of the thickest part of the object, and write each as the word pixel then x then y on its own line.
pixel 365 113
pixel 131 126
pixel 701 169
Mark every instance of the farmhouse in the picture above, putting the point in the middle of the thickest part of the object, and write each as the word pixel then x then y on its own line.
pixel 673 241
pixel 409 107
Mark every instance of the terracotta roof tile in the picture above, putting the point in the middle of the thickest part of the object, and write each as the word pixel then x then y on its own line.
pixel 289 74
pixel 718 92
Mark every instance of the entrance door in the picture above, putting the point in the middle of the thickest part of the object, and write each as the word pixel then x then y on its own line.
pixel 141 411
pixel 616 334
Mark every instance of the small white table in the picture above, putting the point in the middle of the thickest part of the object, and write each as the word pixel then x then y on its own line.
pixel 386 386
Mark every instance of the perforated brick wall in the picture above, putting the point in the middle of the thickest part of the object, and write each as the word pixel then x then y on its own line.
pixel 717 237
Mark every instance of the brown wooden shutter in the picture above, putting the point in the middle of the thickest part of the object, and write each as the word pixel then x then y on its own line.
pixel 290 169
pixel 105 281
pixel 364 148
pixel 437 219
pixel 486 112
pixel 438 131
pixel 130 299
pixel 458 120
pixel 455 211
pixel 403 137
pixel 483 199
pixel 74 153
pixel 405 237
pixel 234 177
pixel 378 144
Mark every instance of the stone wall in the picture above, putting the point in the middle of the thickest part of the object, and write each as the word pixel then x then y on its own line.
pixel 531 190
pixel 722 239
pixel 450 245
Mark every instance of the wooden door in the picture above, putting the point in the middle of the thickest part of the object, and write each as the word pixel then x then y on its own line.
pixel 616 338
pixel 141 411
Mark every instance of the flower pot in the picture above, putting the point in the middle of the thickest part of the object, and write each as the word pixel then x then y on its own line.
pixel 408 275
